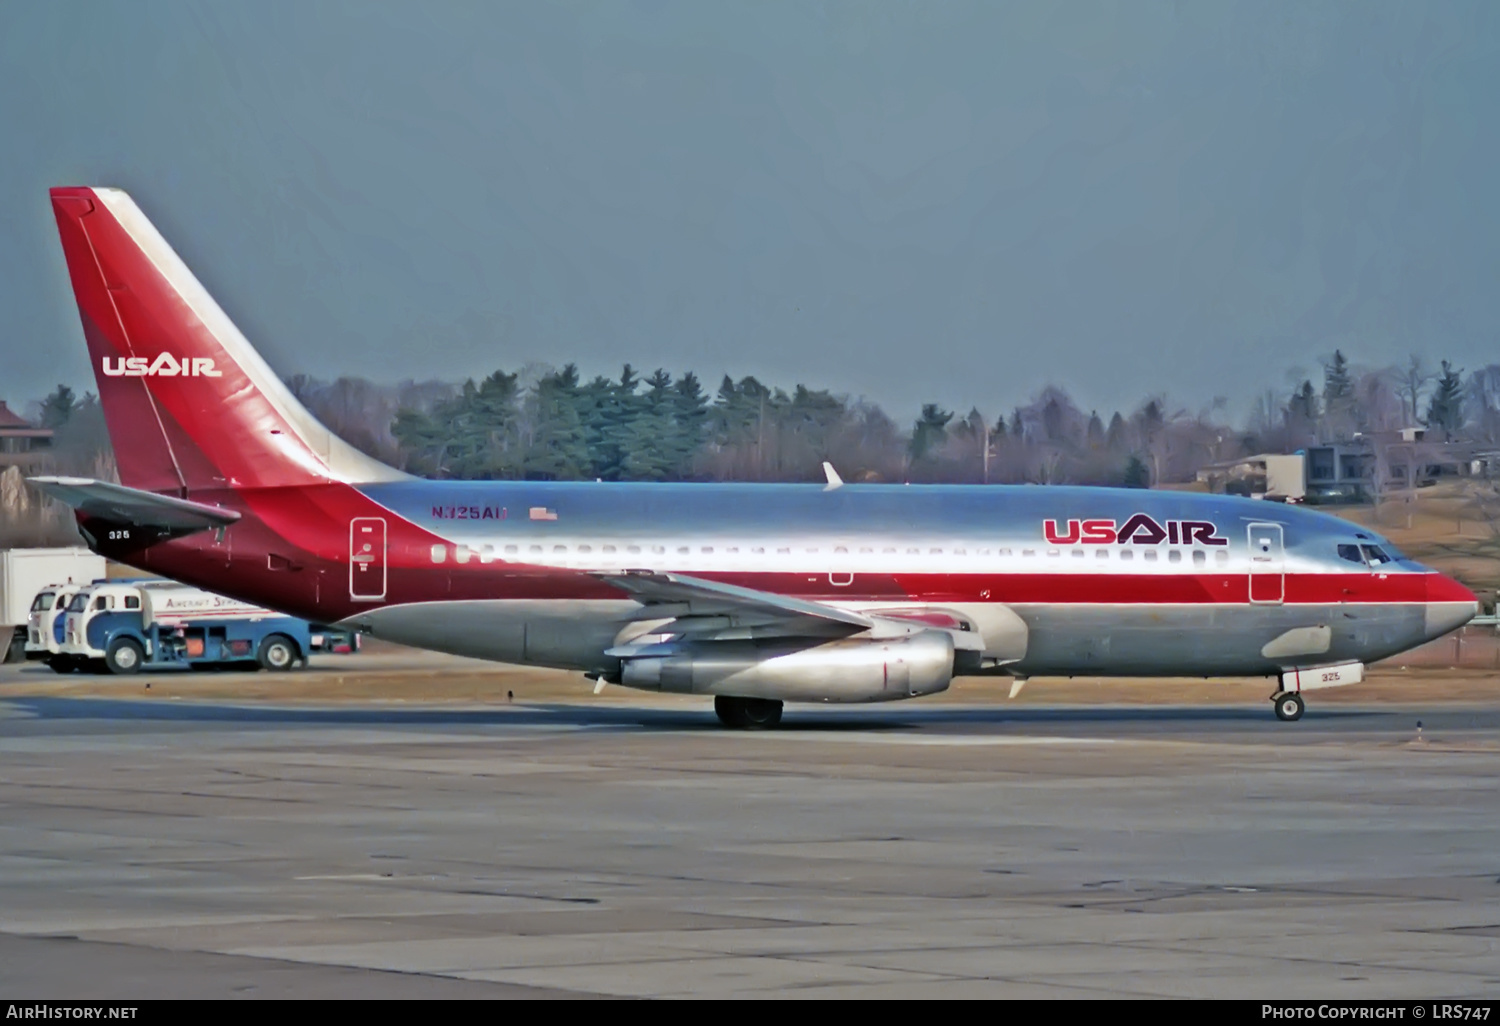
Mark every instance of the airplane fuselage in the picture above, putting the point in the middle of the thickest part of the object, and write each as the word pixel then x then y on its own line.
pixel 1055 580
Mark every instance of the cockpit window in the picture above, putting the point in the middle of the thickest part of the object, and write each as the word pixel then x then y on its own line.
pixel 1375 555
pixel 1351 553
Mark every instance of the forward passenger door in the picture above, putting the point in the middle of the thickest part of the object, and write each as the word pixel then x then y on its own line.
pixel 1267 565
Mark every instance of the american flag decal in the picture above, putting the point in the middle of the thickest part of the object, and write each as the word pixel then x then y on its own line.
pixel 543 513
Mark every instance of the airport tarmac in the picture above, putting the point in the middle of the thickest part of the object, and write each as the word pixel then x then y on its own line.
pixel 214 836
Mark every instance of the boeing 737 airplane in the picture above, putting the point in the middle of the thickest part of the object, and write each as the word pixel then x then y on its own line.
pixel 753 593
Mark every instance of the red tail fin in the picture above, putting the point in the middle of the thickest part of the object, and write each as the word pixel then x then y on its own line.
pixel 189 404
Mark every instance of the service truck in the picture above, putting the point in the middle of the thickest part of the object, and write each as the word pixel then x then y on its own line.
pixel 24 573
pixel 124 627
pixel 44 627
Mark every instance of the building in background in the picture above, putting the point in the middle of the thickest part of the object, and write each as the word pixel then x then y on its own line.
pixel 22 444
pixel 1275 476
pixel 1362 469
pixel 1340 473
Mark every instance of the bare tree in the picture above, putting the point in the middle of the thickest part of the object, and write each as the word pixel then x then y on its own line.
pixel 1415 377
pixel 1484 402
pixel 1378 402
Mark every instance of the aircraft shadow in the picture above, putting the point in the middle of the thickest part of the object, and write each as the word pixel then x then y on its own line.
pixel 564 715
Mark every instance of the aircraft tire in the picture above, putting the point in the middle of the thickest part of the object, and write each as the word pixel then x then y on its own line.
pixel 747 713
pixel 1289 707
pixel 277 653
pixel 124 656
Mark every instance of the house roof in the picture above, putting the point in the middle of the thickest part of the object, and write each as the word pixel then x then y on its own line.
pixel 9 419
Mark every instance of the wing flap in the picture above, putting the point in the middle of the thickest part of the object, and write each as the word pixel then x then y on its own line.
pixel 686 599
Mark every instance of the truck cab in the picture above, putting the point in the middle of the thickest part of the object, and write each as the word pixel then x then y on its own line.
pixel 47 621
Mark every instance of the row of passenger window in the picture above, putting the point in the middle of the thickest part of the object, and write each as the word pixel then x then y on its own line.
pixel 488 553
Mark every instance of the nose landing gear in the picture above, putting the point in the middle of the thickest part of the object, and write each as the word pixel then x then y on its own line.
pixel 1287 700
pixel 1289 706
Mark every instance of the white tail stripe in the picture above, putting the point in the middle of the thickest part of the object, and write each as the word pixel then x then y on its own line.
pixel 341 460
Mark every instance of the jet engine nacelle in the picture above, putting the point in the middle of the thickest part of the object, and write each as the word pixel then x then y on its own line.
pixel 848 670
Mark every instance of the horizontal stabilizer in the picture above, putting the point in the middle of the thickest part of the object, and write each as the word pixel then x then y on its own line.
pixel 122 505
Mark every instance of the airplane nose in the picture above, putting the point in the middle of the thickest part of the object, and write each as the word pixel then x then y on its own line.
pixel 1449 605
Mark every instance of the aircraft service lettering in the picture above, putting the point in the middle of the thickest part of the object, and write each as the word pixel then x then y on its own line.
pixel 1138 530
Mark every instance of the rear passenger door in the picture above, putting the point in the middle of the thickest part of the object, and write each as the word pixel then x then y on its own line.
pixel 367 558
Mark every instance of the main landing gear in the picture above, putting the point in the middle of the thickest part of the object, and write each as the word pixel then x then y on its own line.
pixel 747 713
pixel 1289 706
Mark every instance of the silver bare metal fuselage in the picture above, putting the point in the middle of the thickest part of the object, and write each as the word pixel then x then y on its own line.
pixel 1039 598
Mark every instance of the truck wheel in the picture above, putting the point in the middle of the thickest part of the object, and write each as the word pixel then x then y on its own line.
pixel 277 653
pixel 62 663
pixel 124 656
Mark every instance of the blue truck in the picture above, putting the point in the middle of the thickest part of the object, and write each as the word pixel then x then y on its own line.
pixel 128 626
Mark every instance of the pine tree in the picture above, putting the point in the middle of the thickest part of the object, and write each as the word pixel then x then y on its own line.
pixel 1095 430
pixel 1052 421
pixel 1114 438
pixel 653 451
pixel 930 431
pixel 58 407
pixel 493 406
pixel 470 435
pixel 1136 475
pixel 1445 410
pixel 420 434
pixel 690 408
pixel 559 443
pixel 1304 402
pixel 1339 414
pixel 609 411
pixel 1338 387
pixel 1151 418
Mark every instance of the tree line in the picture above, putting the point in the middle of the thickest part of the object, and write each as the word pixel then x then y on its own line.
pixel 546 423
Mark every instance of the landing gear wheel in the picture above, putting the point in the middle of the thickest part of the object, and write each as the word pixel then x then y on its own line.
pixel 277 653
pixel 747 713
pixel 124 656
pixel 1289 707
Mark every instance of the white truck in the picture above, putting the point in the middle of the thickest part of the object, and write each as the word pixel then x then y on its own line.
pixel 24 575
pixel 44 628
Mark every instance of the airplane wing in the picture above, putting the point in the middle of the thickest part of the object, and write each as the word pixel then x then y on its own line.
pixel 699 606
pixel 133 507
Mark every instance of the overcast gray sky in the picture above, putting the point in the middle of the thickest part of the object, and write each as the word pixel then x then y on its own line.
pixel 953 202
